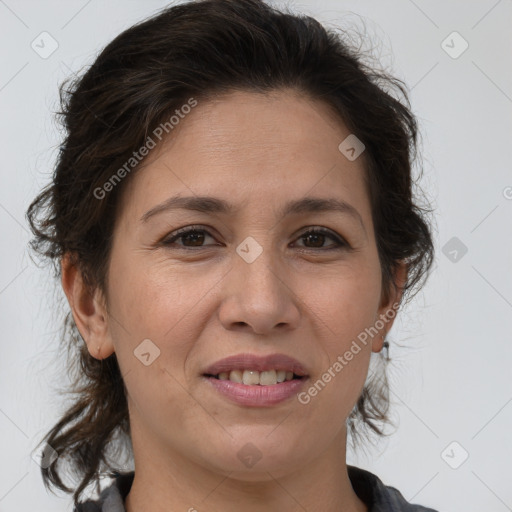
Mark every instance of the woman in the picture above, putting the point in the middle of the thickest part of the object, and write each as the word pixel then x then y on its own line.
pixel 232 221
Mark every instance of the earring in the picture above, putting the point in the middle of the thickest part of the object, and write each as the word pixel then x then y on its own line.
pixel 386 346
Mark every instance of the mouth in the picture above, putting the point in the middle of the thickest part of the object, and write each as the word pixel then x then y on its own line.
pixel 257 378
pixel 252 369
pixel 256 381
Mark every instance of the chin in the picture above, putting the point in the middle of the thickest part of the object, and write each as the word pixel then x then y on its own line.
pixel 256 457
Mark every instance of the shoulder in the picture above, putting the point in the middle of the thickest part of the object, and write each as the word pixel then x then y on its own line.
pixel 380 497
pixel 112 498
pixel 370 489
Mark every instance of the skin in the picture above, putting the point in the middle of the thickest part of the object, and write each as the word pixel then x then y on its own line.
pixel 197 306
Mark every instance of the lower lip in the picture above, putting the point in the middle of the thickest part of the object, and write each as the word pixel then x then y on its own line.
pixel 256 395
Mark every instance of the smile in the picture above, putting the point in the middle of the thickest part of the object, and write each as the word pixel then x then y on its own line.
pixel 254 377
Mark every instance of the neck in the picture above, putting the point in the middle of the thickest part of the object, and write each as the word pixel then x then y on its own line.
pixel 173 482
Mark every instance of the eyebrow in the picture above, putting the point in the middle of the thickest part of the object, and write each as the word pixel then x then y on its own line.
pixel 206 204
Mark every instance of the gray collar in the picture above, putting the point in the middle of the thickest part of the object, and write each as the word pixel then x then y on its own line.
pixel 370 489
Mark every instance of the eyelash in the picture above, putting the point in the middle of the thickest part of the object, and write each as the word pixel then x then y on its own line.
pixel 180 233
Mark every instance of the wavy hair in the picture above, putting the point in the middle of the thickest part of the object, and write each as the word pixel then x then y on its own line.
pixel 202 49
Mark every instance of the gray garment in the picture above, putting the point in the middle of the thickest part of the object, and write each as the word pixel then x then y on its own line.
pixel 370 489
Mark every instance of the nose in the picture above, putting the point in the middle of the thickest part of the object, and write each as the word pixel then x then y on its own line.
pixel 258 296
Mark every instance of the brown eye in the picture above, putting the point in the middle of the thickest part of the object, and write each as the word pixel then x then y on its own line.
pixel 190 237
pixel 315 239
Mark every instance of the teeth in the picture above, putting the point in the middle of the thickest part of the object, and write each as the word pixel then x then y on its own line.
pixel 250 377
pixel 235 376
pixel 268 378
pixel 253 377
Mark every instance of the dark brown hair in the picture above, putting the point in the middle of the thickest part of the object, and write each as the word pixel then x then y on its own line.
pixel 202 49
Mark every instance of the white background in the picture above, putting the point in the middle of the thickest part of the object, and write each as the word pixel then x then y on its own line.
pixel 451 382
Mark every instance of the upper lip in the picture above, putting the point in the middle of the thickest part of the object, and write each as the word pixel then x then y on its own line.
pixel 258 363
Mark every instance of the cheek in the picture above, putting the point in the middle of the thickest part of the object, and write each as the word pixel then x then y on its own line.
pixel 345 302
pixel 152 298
pixel 160 301
pixel 161 304
pixel 344 308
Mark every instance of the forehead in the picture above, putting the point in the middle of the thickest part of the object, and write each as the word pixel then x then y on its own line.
pixel 252 147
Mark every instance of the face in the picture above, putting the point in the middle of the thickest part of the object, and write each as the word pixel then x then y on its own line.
pixel 251 280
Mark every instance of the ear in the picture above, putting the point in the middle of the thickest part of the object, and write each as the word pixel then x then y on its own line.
pixel 389 307
pixel 88 309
